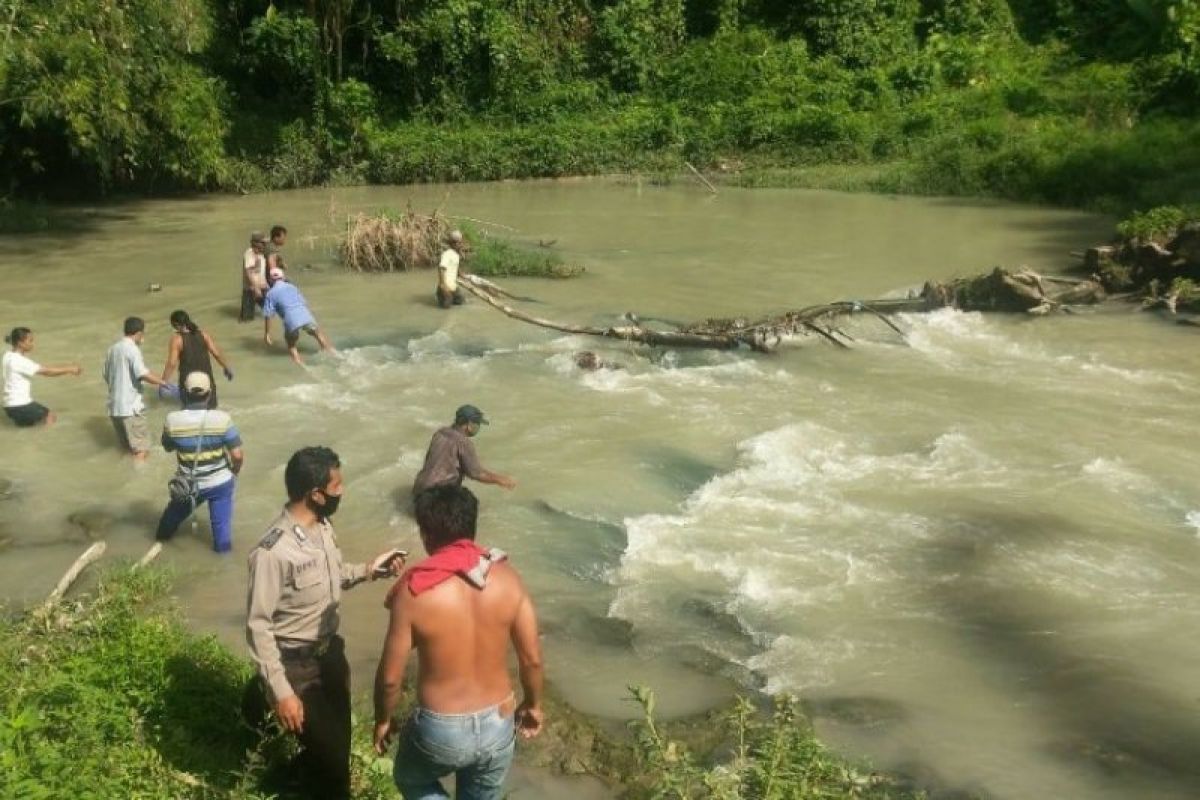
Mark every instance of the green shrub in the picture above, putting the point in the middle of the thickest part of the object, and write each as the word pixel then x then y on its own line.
pixel 493 257
pixel 1157 223
pixel 635 38
pixel 773 757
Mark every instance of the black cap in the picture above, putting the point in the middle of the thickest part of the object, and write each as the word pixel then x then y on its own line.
pixel 469 414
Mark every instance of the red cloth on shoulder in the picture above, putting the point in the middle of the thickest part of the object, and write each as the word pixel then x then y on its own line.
pixel 458 557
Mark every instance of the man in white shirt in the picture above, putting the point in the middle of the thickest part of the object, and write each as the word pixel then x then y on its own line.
pixel 448 293
pixel 254 276
pixel 18 368
pixel 124 371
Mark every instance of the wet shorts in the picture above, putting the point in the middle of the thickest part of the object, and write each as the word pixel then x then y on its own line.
pixel 28 415
pixel 291 337
pixel 133 432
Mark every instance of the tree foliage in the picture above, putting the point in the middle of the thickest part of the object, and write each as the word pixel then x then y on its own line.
pixel 153 95
pixel 113 89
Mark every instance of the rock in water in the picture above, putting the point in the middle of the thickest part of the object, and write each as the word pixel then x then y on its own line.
pixel 870 712
pixel 92 522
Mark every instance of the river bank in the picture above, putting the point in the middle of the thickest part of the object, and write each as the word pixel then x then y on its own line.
pixel 109 694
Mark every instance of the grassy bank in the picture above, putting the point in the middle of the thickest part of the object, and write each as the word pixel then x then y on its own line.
pixel 110 696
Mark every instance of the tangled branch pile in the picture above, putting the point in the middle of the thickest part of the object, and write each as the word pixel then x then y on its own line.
pixel 388 242
pixel 999 290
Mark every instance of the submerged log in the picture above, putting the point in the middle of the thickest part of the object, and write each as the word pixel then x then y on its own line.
pixel 1000 290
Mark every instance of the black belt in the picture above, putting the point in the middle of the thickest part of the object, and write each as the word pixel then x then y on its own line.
pixel 309 650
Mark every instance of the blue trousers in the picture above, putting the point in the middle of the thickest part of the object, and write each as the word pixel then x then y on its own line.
pixel 220 512
pixel 477 747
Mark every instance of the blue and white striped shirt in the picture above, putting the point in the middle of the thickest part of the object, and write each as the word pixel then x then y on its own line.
pixel 202 448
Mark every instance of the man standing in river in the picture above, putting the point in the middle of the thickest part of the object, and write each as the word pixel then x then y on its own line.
pixel 451 455
pixel 447 292
pixel 254 276
pixel 296 581
pixel 124 372
pixel 273 249
pixel 459 609
pixel 208 449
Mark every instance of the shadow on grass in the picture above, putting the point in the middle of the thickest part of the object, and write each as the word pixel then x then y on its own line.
pixel 202 730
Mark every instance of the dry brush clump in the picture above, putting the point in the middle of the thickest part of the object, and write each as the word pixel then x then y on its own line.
pixel 389 242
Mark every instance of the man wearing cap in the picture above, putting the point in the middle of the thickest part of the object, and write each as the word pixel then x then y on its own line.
pixel 297 577
pixel 448 293
pixel 285 300
pixel 254 276
pixel 451 455
pixel 209 450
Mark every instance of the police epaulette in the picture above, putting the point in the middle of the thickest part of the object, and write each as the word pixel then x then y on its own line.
pixel 271 538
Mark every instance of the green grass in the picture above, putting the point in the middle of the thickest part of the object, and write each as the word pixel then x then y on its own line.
pixel 111 696
pixel 115 698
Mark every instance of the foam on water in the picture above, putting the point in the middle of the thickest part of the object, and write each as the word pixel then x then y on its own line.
pixel 786 540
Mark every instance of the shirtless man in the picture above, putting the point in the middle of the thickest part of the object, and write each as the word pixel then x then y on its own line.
pixel 459 609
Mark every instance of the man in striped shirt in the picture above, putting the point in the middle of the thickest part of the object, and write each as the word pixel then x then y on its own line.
pixel 209 449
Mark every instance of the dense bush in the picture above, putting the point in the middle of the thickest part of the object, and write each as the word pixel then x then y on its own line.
pixel 96 96
pixel 1062 101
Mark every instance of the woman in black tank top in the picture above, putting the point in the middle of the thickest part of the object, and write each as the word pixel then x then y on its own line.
pixel 189 349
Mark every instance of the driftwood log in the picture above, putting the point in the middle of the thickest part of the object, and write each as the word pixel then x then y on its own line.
pixel 93 553
pixel 1000 290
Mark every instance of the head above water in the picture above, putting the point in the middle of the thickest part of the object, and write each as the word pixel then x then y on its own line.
pixel 276 274
pixel 446 514
pixel 135 328
pixel 181 321
pixel 313 476
pixel 258 239
pixel 468 418
pixel 455 239
pixel 278 234
pixel 21 339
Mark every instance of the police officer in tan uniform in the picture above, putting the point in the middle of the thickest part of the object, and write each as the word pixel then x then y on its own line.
pixel 296 580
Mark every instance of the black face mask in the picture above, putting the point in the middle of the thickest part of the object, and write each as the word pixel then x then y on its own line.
pixel 329 508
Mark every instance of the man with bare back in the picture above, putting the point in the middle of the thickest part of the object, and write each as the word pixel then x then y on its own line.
pixel 459 609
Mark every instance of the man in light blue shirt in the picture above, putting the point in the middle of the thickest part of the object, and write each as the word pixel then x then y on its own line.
pixel 284 299
pixel 124 371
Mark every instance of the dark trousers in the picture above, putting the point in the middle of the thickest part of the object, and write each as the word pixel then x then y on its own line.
pixel 249 303
pixel 323 685
pixel 446 299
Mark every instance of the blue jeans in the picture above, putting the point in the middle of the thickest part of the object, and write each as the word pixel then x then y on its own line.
pixel 477 748
pixel 220 512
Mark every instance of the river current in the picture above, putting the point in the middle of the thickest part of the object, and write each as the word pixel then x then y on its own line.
pixel 972 550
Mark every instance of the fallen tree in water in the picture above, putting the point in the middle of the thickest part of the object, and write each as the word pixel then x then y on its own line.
pixel 1000 290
